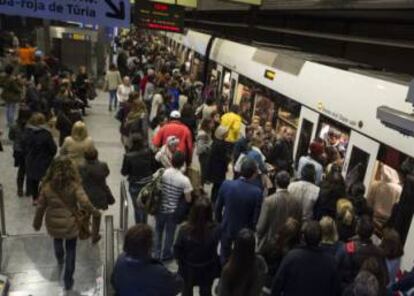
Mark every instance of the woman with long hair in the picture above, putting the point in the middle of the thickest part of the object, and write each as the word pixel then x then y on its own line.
pixel 112 80
pixel 75 145
pixel 244 273
pixel 60 198
pixel 196 249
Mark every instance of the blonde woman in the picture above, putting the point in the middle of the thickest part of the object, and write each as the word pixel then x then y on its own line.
pixel 60 197
pixel 329 232
pixel 75 145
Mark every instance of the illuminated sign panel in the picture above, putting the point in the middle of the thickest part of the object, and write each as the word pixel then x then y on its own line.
pixel 159 16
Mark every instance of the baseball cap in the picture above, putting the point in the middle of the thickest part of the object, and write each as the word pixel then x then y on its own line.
pixel 175 114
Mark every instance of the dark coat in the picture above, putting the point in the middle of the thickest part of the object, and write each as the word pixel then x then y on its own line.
pixel 39 149
pixel 218 162
pixel 198 262
pixel 138 165
pixel 282 155
pixel 326 203
pixel 306 271
pixel 64 124
pixel 146 277
pixel 351 256
pixel 94 174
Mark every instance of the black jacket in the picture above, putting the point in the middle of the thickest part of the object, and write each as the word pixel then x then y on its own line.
pixel 351 256
pixel 138 165
pixel 219 160
pixel 306 271
pixel 197 260
pixel 39 149
pixel 64 124
pixel 282 155
pixel 94 174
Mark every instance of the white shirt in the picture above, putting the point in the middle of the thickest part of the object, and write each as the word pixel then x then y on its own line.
pixel 174 185
pixel 123 93
pixel 156 103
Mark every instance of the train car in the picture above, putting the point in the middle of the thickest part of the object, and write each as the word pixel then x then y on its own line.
pixel 287 88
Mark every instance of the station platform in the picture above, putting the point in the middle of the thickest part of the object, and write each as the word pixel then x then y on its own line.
pixel 28 256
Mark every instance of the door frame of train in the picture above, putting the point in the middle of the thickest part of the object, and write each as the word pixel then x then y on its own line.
pixel 219 69
pixel 308 115
pixel 233 89
pixel 368 146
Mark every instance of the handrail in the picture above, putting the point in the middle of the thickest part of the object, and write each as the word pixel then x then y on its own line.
pixel 2 212
pixel 109 254
pixel 123 217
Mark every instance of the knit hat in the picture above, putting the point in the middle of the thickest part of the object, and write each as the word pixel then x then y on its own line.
pixel 221 132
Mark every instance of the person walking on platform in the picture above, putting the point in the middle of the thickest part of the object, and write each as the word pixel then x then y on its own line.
pixel 65 120
pixel 282 155
pixel 276 210
pixel 39 149
pixel 175 185
pixel 218 161
pixel 124 90
pixel 138 166
pixel 75 146
pixel 93 175
pixel 204 142
pixel 196 249
pixel 245 273
pixel 27 59
pixel 175 127
pixel 12 93
pixel 112 80
pixel 16 134
pixel 137 273
pixel 232 121
pixel 238 206
pixel 60 198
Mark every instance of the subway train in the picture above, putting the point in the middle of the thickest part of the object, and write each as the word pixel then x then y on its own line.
pixel 311 94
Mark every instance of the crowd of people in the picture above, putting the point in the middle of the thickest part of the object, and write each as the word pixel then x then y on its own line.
pixel 268 225
pixel 65 180
pixel 290 229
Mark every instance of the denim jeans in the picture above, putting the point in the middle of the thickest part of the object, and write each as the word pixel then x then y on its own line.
pixel 113 100
pixel 139 213
pixel 69 260
pixel 164 243
pixel 10 113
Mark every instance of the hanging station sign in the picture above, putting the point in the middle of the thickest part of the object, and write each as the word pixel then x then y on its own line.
pixel 159 16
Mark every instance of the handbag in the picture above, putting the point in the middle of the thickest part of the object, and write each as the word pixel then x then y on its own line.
pixel 82 220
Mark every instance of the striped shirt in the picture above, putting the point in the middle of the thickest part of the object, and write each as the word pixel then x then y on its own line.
pixel 174 185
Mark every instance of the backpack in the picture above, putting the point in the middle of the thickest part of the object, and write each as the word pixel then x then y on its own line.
pixel 150 195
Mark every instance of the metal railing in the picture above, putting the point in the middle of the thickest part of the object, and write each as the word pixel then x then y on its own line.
pixel 109 255
pixel 2 212
pixel 123 213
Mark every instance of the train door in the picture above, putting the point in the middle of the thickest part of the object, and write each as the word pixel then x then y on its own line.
pixel 233 86
pixel 360 158
pixel 308 123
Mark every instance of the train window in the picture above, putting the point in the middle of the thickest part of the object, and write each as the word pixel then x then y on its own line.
pixel 304 139
pixel 264 108
pixel 245 99
pixel 333 134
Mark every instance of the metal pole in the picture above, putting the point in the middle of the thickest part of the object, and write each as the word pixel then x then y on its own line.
pixel 109 252
pixel 121 206
pixel 2 212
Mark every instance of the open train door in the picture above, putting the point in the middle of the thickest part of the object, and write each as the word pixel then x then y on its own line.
pixel 233 86
pixel 308 123
pixel 360 158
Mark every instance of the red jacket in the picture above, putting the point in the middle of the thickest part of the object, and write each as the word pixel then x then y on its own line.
pixel 181 131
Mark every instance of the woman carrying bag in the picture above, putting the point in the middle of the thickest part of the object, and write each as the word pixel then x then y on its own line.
pixel 67 211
